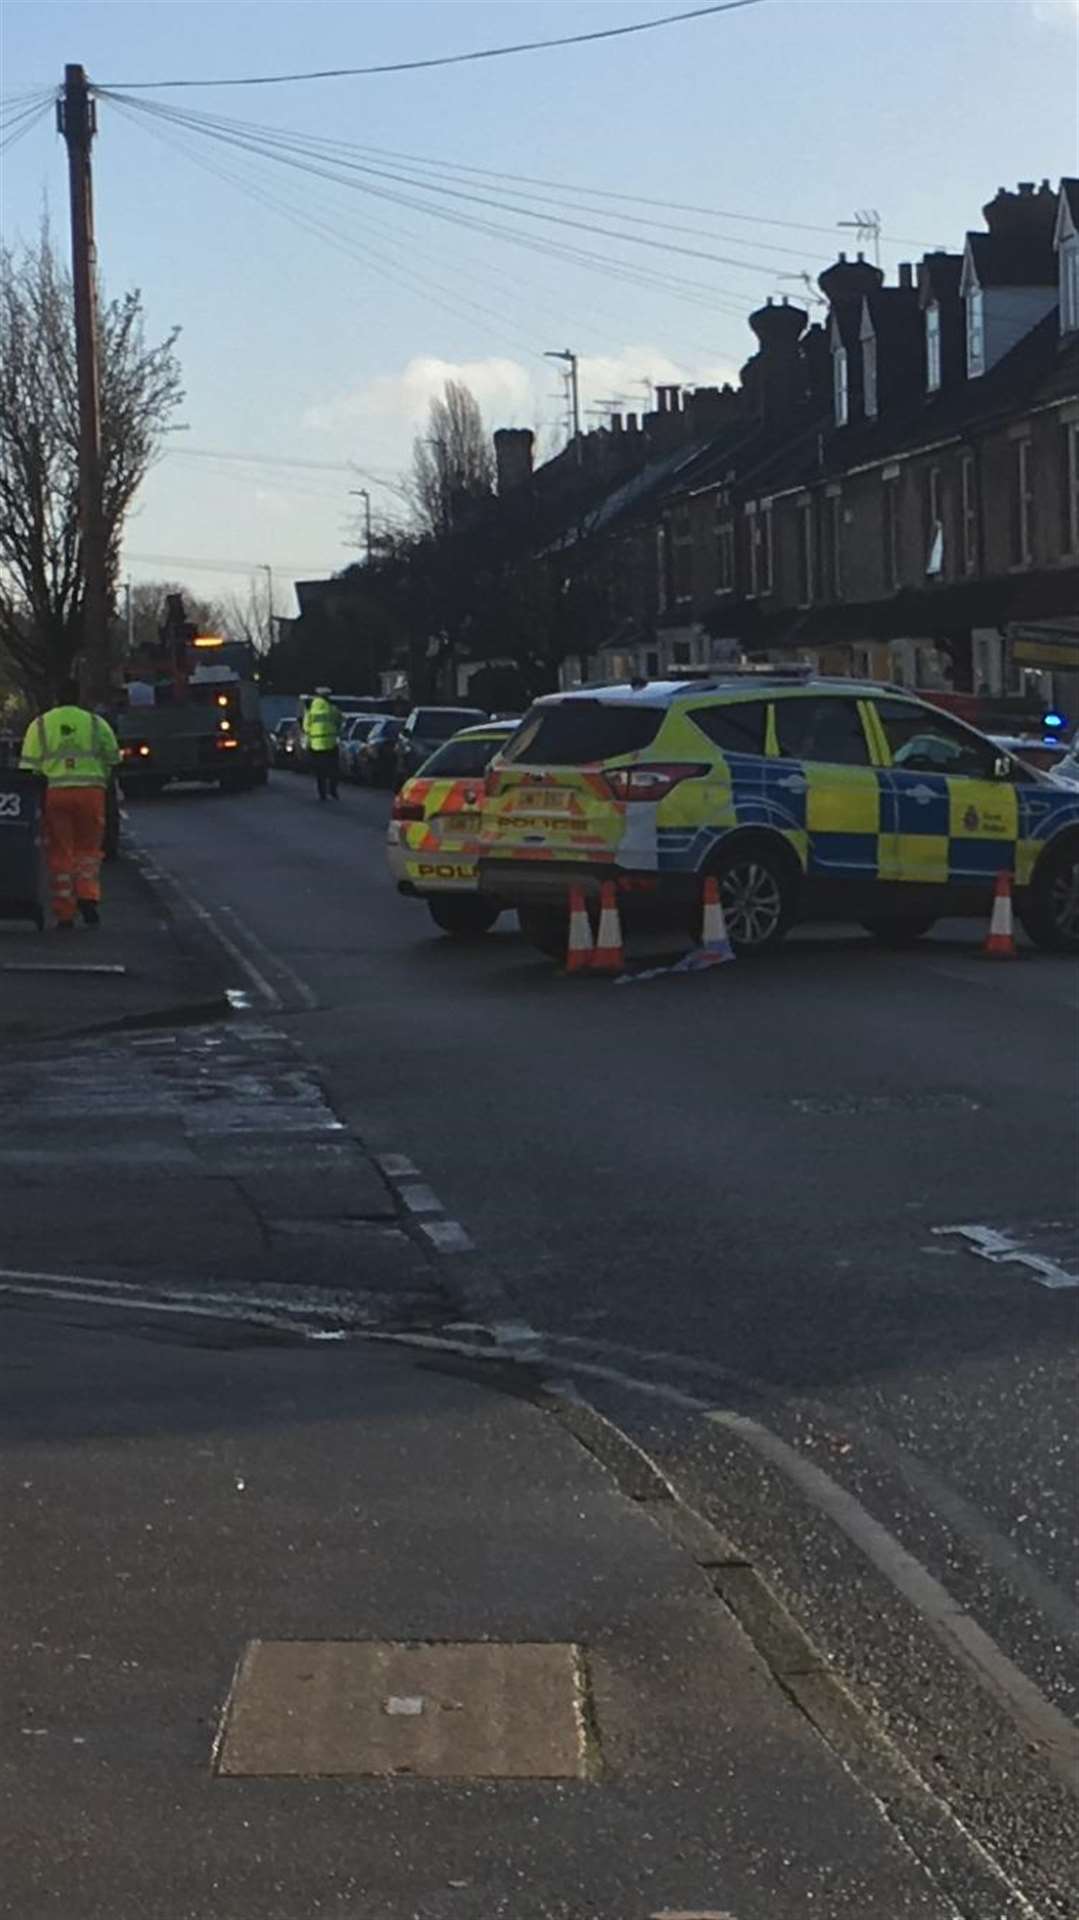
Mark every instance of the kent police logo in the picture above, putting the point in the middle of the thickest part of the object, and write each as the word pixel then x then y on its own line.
pixel 971 820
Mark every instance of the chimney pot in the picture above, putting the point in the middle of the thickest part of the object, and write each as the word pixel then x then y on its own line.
pixel 631 423
pixel 1026 187
pixel 906 274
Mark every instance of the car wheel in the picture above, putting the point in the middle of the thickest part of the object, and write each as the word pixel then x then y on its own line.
pixel 1050 912
pixel 546 929
pixel 465 916
pixel 899 930
pixel 759 895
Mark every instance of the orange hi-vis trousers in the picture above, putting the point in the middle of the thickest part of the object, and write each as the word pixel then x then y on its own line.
pixel 74 838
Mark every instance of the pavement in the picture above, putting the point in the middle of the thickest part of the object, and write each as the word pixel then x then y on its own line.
pixel 733 1407
pixel 148 961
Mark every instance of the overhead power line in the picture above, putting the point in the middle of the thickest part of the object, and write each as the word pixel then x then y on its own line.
pixel 444 59
pixel 295 153
pixel 194 565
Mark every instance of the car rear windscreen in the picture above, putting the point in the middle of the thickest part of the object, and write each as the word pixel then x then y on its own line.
pixel 576 732
pixel 461 759
pixel 438 723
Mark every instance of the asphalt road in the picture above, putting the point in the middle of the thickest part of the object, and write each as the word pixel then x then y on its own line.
pixel 724 1202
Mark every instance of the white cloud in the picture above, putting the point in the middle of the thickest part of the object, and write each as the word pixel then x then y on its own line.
pixel 1056 13
pixel 376 421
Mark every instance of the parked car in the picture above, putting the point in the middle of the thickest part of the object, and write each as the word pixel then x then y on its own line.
pixel 376 759
pixel 285 743
pixel 424 730
pixel 1046 755
pixel 356 729
pixel 804 798
pixel 432 838
pixel 1065 771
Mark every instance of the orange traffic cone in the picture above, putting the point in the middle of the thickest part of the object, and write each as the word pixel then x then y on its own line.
pixel 714 936
pixel 579 950
pixel 608 956
pixel 1000 940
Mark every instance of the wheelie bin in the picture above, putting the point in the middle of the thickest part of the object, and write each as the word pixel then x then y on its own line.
pixel 23 876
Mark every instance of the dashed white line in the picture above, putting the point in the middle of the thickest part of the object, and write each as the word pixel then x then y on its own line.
pixel 396 1166
pixel 299 986
pixel 419 1198
pixel 158 874
pixel 448 1236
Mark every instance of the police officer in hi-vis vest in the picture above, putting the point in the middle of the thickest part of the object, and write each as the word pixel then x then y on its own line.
pixel 321 729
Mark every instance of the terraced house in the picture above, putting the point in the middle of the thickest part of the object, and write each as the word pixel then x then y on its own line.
pixel 894 492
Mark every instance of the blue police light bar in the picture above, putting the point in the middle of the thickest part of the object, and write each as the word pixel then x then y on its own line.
pixel 1052 722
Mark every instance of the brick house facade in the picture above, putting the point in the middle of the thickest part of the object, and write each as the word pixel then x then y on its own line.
pixel 891 493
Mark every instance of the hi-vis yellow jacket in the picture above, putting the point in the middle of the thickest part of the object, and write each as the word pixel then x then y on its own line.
pixel 71 747
pixel 322 724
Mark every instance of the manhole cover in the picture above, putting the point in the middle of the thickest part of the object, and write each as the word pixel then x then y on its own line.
pixel 443 1711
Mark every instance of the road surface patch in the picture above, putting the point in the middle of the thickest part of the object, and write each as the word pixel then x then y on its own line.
pixel 451 1710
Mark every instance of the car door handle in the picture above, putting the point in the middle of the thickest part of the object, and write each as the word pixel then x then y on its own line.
pixel 794 782
pixel 922 794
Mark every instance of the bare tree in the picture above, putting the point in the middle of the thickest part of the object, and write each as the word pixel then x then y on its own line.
pixel 250 616
pixel 453 462
pixel 41 570
pixel 148 610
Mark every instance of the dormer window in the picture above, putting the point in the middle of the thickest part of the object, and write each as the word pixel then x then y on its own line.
pixel 1069 285
pixel 932 347
pixel 975 333
pixel 841 385
pixel 869 375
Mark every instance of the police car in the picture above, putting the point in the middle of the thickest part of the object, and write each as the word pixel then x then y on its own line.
pixel 806 797
pixel 433 837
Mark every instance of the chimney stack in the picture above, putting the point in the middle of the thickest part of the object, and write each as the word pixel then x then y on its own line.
pixel 513 459
pixel 906 274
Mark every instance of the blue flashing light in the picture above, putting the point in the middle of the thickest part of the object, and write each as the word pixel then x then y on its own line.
pixel 1052 722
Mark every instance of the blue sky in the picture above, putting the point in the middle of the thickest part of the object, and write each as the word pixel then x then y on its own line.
pixel 301 347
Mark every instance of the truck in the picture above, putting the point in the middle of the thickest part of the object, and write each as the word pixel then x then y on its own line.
pixel 189 710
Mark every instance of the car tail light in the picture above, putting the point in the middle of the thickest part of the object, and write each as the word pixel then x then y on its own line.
pixel 227 743
pixel 406 809
pixel 134 750
pixel 652 781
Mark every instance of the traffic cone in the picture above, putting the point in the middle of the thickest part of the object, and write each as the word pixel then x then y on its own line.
pixel 1000 940
pixel 579 949
pixel 608 956
pixel 714 936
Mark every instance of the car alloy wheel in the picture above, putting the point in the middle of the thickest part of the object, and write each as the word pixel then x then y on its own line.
pixel 1064 901
pixel 752 903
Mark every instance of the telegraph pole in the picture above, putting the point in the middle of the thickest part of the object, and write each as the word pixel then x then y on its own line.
pixel 77 120
pixel 362 493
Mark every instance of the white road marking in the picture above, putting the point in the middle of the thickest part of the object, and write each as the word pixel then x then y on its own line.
pixel 448 1236
pixel 204 1309
pixel 419 1198
pixel 991 1244
pixel 1035 1716
pixel 396 1166
pixel 61 966
pixel 1042 1723
pixel 270 959
pixel 158 874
